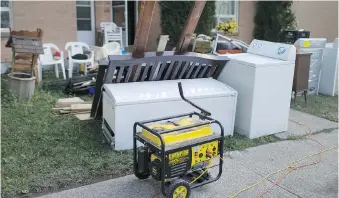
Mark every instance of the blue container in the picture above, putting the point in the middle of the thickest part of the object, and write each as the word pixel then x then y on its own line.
pixel 92 90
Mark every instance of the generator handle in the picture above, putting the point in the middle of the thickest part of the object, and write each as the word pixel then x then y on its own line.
pixel 203 111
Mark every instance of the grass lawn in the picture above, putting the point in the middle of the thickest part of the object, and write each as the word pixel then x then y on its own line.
pixel 43 152
pixel 318 105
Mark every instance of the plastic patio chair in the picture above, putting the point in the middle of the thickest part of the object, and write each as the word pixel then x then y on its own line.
pixel 74 48
pixel 111 32
pixel 47 59
pixel 112 48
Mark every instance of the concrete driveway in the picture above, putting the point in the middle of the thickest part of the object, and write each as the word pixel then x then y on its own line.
pixel 242 169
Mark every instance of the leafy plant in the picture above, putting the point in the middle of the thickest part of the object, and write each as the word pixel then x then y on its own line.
pixel 229 27
pixel 272 18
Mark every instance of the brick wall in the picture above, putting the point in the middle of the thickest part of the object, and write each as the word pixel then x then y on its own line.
pixel 56 18
pixel 102 13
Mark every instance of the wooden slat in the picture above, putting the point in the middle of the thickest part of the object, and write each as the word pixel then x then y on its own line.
pixel 85 116
pixel 184 69
pixel 146 68
pixel 169 70
pixel 211 71
pixel 80 107
pixel 96 110
pixel 154 68
pixel 198 68
pixel 176 69
pixel 202 73
pixel 137 73
pixel 128 75
pixel 110 72
pixel 190 71
pixel 119 74
pixel 161 70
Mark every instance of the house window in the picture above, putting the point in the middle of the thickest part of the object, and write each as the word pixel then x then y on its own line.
pixel 6 20
pixel 84 22
pixel 226 10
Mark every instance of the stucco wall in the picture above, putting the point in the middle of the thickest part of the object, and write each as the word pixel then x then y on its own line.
pixel 57 20
pixel 245 20
pixel 319 17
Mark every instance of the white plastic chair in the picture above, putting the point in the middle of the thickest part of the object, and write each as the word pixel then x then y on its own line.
pixel 74 48
pixel 111 32
pixel 112 48
pixel 47 59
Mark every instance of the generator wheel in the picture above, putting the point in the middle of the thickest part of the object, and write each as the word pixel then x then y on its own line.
pixel 179 189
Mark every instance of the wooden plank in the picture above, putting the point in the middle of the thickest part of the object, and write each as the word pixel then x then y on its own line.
pixel 119 74
pixel 202 73
pixel 142 31
pixel 169 70
pixel 128 75
pixel 143 28
pixel 190 26
pixel 70 100
pixel 110 71
pixel 137 72
pixel 81 107
pixel 155 65
pixel 197 70
pixel 65 111
pixel 176 69
pixel 162 66
pixel 183 69
pixel 190 71
pixel 146 68
pixel 96 110
pixel 85 116
pixel 57 109
pixel 80 112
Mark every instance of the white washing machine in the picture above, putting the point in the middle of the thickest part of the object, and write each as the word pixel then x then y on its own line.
pixel 127 103
pixel 263 78
pixel 328 84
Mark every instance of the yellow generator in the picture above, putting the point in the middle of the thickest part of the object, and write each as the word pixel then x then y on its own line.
pixel 178 150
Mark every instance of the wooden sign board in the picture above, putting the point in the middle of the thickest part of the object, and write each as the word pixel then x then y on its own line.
pixel 25 44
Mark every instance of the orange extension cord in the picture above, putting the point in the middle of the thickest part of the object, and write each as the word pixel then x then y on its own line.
pixel 292 168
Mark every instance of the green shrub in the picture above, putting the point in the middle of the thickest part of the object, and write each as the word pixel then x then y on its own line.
pixel 175 13
pixel 272 18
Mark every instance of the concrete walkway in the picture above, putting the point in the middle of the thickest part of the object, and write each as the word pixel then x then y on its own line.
pixel 244 168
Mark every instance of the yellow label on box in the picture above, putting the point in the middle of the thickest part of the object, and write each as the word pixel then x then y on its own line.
pixel 307 43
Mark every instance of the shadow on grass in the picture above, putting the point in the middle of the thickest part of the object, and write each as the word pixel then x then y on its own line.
pixel 44 152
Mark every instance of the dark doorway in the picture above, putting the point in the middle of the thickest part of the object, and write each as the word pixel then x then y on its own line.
pixel 131 7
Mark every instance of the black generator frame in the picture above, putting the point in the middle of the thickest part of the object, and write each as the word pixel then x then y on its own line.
pixel 163 153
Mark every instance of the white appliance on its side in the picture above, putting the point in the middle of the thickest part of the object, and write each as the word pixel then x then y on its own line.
pixel 126 103
pixel 328 84
pixel 263 78
pixel 316 47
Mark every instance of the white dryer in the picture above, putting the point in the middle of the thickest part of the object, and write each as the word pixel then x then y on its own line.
pixel 263 78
